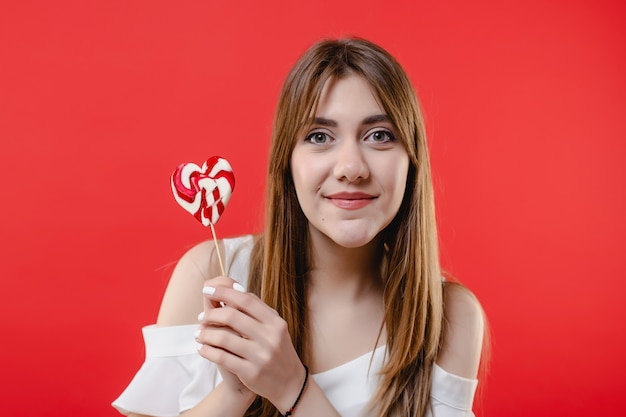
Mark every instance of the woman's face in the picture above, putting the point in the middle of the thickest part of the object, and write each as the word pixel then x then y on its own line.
pixel 349 170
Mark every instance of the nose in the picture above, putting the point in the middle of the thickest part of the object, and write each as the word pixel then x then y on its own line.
pixel 350 164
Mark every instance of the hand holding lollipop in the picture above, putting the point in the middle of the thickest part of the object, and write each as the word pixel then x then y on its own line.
pixel 204 191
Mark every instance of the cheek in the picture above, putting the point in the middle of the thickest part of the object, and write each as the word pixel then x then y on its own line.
pixel 308 172
pixel 397 170
pixel 399 186
pixel 302 176
pixel 296 169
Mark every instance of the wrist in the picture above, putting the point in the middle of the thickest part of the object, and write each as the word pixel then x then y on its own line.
pixel 239 395
pixel 288 410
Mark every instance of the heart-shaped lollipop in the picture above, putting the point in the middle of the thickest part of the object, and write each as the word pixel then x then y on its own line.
pixel 204 191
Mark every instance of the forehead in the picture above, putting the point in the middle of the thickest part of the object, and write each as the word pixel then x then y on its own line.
pixel 347 95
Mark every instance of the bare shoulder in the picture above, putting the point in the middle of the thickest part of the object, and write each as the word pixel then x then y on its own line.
pixel 463 332
pixel 182 301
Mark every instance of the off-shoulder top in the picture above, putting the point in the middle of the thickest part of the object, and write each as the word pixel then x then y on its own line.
pixel 174 377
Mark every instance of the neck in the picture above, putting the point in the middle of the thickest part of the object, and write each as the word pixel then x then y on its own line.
pixel 339 272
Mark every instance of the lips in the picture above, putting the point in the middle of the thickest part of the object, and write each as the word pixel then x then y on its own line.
pixel 350 200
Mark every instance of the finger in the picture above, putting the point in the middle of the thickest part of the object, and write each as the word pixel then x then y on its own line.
pixel 224 359
pixel 222 338
pixel 247 303
pixel 237 321
pixel 220 281
pixel 267 332
pixel 217 282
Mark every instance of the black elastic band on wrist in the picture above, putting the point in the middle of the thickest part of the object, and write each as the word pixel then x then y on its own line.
pixel 293 407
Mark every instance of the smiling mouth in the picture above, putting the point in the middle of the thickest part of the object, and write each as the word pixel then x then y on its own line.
pixel 350 201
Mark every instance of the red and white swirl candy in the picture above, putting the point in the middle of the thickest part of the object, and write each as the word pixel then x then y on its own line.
pixel 204 191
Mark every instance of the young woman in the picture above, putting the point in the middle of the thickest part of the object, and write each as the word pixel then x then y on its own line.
pixel 339 308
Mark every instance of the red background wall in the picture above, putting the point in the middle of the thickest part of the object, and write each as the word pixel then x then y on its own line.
pixel 100 100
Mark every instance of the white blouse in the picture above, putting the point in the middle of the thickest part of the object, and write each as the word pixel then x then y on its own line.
pixel 174 377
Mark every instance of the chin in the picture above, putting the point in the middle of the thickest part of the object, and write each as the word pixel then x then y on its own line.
pixel 352 242
pixel 351 234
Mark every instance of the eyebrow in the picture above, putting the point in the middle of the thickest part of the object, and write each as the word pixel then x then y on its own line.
pixel 322 121
pixel 377 118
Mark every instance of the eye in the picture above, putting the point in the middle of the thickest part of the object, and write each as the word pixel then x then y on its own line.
pixel 318 138
pixel 380 136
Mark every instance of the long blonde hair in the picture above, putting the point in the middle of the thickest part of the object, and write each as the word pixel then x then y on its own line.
pixel 413 303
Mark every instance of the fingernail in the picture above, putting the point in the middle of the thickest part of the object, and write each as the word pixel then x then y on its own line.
pixel 201 316
pixel 208 290
pixel 196 334
pixel 238 287
pixel 199 347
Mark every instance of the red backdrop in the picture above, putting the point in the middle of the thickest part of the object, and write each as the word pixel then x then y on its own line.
pixel 100 100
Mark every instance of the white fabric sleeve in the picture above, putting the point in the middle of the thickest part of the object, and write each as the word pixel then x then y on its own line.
pixel 451 395
pixel 173 378
pixel 238 251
